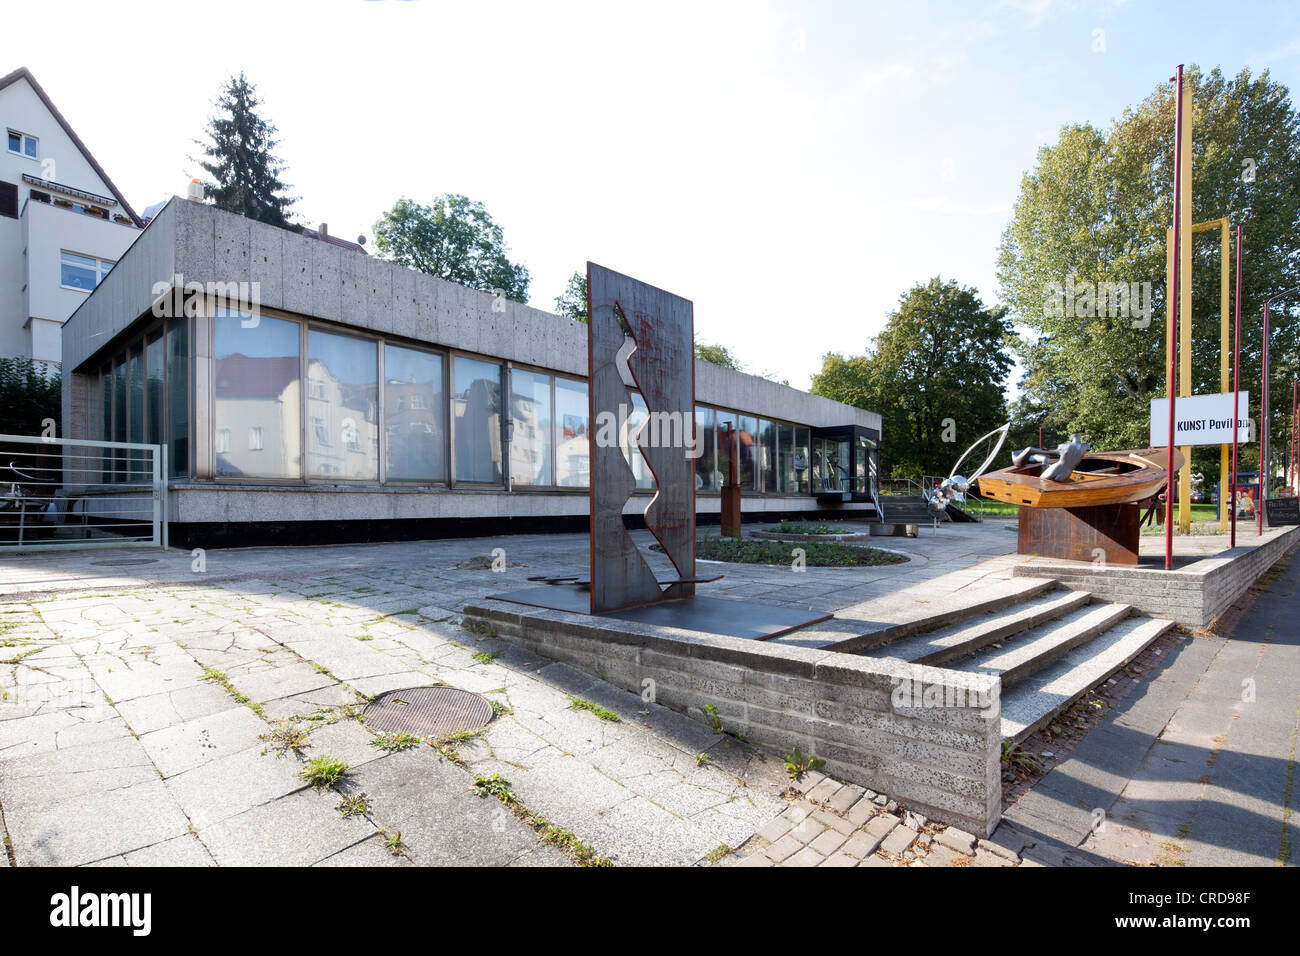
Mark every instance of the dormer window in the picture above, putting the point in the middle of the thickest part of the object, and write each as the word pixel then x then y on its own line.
pixel 24 145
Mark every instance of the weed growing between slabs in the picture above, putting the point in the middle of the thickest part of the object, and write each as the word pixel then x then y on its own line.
pixel 499 787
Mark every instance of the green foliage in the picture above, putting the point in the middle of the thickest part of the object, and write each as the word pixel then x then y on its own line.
pixel 717 355
pixel 942 355
pixel 797 765
pixel 573 302
pixel 454 239
pixel 30 392
pixel 241 158
pixel 400 740
pixel 1096 207
pixel 577 703
pixel 494 786
pixel 817 554
pixel 324 771
pixel 805 527
pixel 711 712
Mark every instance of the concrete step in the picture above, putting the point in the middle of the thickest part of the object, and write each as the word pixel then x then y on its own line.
pixel 936 615
pixel 1039 647
pixel 967 637
pixel 1034 702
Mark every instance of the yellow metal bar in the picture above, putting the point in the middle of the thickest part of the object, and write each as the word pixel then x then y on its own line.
pixel 1185 320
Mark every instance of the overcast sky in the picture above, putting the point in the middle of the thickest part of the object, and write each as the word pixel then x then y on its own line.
pixel 793 168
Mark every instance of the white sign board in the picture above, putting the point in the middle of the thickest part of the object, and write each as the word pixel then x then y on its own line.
pixel 1200 420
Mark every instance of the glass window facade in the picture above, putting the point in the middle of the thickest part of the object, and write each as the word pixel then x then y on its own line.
pixel 294 400
pixel 415 415
pixel 476 406
pixel 706 443
pixel 255 382
pixel 343 406
pixel 572 437
pixel 178 397
pixel 531 434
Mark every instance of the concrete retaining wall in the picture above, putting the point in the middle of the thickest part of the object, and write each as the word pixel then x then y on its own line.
pixel 927 737
pixel 1193 596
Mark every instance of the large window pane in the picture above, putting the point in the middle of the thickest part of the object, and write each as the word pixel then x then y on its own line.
pixel 767 455
pixel 415 415
pixel 154 394
pixel 178 397
pixel 256 387
pixel 802 451
pixel 477 407
pixel 726 446
pixel 135 413
pixel 706 474
pixel 786 481
pixel 342 407
pixel 749 472
pixel 119 415
pixel 573 445
pixel 530 439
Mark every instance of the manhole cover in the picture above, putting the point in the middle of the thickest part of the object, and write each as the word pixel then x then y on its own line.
pixel 123 562
pixel 436 712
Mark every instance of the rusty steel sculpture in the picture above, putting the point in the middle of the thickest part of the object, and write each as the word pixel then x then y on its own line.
pixel 649 334
pixel 662 364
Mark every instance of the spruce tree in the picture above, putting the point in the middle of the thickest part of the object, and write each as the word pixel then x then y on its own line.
pixel 241 160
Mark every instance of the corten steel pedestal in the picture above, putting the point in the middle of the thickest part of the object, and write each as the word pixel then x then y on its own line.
pixel 1078 534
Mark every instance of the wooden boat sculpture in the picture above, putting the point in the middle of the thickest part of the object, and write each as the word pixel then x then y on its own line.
pixel 1093 512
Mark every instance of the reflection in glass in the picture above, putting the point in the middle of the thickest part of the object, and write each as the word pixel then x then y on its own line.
pixel 786 481
pixel 749 472
pixel 178 398
pixel 530 438
pixel 802 452
pixel 767 455
pixel 706 441
pixel 255 383
pixel 119 416
pixel 477 409
pixel 415 415
pixel 573 448
pixel 726 446
pixel 135 413
pixel 342 406
pixel 154 390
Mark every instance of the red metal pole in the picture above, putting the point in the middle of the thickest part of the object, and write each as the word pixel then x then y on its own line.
pixel 1173 313
pixel 1263 427
pixel 1236 390
pixel 1291 461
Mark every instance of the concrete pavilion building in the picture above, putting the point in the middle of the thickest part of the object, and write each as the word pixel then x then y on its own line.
pixel 365 401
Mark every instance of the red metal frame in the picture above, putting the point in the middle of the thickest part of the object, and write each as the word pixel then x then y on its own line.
pixel 1236 390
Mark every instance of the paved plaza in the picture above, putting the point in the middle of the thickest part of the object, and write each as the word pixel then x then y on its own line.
pixel 159 707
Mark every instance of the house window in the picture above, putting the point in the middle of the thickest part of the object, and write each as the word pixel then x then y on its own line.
pixel 82 273
pixel 223 441
pixel 24 145
pixel 255 438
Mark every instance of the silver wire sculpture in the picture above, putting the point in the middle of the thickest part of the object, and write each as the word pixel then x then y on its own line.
pixel 956 486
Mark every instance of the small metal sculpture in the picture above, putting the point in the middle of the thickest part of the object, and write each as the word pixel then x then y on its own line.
pixel 956 486
pixel 1067 455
